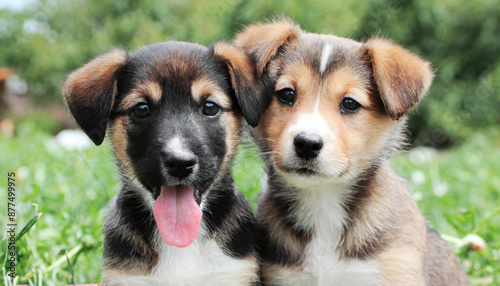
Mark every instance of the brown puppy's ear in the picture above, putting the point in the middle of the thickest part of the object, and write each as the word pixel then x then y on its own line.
pixel 401 77
pixel 243 80
pixel 89 93
pixel 263 41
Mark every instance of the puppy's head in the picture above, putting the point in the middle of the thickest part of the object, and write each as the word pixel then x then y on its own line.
pixel 335 103
pixel 172 111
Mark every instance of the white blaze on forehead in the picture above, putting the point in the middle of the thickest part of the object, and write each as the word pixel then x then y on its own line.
pixel 325 55
pixel 316 105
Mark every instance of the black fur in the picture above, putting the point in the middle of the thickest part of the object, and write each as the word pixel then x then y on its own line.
pixel 123 248
pixel 89 93
pixel 239 239
pixel 177 111
pixel 130 229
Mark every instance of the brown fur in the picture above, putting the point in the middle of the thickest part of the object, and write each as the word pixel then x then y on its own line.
pixel 286 238
pixel 118 138
pixel 383 222
pixel 243 78
pixel 233 124
pixel 93 78
pixel 237 61
pixel 93 87
pixel 148 90
pixel 392 66
pixel 204 89
pixel 266 39
pixel 153 90
pixel 331 91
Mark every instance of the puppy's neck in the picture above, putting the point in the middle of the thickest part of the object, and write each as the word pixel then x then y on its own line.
pixel 328 213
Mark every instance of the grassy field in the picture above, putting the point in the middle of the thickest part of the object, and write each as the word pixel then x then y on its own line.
pixel 458 190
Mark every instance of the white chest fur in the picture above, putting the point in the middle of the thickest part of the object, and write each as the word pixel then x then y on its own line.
pixel 323 267
pixel 322 208
pixel 201 263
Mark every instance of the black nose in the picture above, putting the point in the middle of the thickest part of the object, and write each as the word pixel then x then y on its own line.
pixel 308 146
pixel 179 165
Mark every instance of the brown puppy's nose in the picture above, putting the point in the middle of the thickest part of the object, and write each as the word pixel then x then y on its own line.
pixel 308 146
pixel 179 165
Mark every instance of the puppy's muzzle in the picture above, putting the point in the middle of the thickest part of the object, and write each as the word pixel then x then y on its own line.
pixel 179 165
pixel 307 146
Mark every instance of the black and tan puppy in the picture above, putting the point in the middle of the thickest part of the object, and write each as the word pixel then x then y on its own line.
pixel 172 114
pixel 334 211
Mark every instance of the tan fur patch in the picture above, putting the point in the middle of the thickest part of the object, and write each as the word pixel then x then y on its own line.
pixel 149 90
pixel 131 100
pixel 244 79
pixel 270 130
pixel 90 91
pixel 372 218
pixel 233 128
pixel 237 58
pixel 401 77
pixel 264 40
pixel 344 82
pixel 401 266
pixel 118 139
pixel 93 78
pixel 281 234
pixel 205 89
pixel 272 273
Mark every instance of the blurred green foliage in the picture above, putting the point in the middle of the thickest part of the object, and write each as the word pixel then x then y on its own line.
pixel 461 38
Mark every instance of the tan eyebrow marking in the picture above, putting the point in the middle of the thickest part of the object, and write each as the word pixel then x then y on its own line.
pixel 130 100
pixel 152 89
pixel 344 82
pixel 285 82
pixel 204 88
pixel 149 89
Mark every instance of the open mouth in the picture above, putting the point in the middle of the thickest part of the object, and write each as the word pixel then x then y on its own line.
pixel 178 214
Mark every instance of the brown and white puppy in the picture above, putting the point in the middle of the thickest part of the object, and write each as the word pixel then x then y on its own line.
pixel 174 122
pixel 334 211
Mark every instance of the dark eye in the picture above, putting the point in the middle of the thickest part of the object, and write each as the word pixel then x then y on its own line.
pixel 141 110
pixel 286 96
pixel 210 109
pixel 350 105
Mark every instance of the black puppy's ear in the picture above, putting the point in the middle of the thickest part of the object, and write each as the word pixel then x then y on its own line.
pixel 89 93
pixel 402 78
pixel 263 41
pixel 243 80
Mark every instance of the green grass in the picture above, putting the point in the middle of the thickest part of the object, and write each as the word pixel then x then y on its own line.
pixel 458 190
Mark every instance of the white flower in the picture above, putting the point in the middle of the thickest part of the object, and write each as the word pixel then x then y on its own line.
pixel 73 140
pixel 473 241
pixel 418 177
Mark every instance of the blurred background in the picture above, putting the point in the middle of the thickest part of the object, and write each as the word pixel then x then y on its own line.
pixel 452 165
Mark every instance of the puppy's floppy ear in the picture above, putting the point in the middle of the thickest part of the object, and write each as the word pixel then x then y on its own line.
pixel 402 78
pixel 262 41
pixel 243 80
pixel 89 93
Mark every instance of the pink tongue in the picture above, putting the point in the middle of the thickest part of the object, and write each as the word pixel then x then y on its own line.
pixel 177 215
